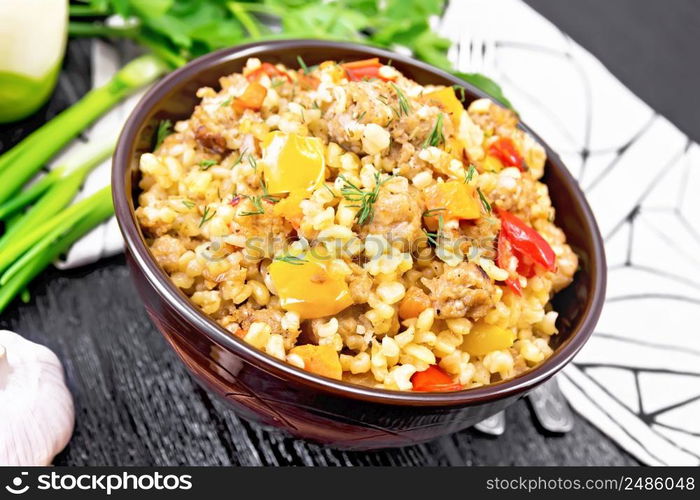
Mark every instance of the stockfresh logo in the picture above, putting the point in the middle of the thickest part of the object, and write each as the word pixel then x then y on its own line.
pixel 17 486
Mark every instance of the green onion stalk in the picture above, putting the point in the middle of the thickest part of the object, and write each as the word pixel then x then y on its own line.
pixel 54 191
pixel 23 161
pixel 92 211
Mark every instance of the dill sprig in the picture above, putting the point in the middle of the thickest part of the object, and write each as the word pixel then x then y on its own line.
pixel 329 189
pixel 257 203
pixel 206 216
pixel 436 137
pixel 303 65
pixel 461 91
pixel 433 211
pixel 365 199
pixel 252 162
pixel 165 128
pixel 484 201
pixel 291 259
pixel 238 160
pixel 207 164
pixel 469 175
pixel 266 194
pixel 404 105
pixel 436 236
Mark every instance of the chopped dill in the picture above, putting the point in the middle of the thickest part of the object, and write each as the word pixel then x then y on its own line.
pixel 329 189
pixel 433 211
pixel 291 259
pixel 460 91
pixel 252 162
pixel 266 195
pixel 238 160
pixel 304 67
pixel 436 137
pixel 365 199
pixel 165 128
pixel 404 105
pixel 257 203
pixel 435 237
pixel 276 82
pixel 361 116
pixel 469 175
pixel 188 203
pixel 225 103
pixel 206 164
pixel 206 216
pixel 484 201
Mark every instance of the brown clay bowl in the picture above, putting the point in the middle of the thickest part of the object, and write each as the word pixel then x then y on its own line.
pixel 266 390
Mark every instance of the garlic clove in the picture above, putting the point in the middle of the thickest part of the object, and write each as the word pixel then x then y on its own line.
pixel 36 407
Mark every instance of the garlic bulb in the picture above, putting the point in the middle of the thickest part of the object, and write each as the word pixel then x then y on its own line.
pixel 36 408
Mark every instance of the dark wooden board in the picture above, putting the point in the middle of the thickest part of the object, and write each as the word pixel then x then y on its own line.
pixel 136 405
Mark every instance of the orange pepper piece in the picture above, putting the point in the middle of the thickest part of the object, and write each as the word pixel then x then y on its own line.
pixel 320 359
pixel 414 302
pixel 252 98
pixel 451 200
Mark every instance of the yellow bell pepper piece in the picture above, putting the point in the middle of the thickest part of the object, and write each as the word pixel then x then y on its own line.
pixel 305 286
pixel 320 359
pixel 451 200
pixel 484 338
pixel 491 164
pixel 292 162
pixel 290 208
pixel 447 99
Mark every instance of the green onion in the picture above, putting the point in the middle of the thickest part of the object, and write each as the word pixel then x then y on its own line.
pixel 66 219
pixel 21 200
pixel 59 193
pixel 95 209
pixel 20 163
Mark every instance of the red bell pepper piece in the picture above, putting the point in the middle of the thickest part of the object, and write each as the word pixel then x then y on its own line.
pixel 308 82
pixel 252 98
pixel 366 68
pixel 267 69
pixel 433 380
pixel 503 259
pixel 505 150
pixel 526 242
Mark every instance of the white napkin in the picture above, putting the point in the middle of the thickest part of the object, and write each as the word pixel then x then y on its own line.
pixel 105 240
pixel 638 378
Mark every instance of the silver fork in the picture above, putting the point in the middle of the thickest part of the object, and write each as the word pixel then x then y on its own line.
pixel 549 407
